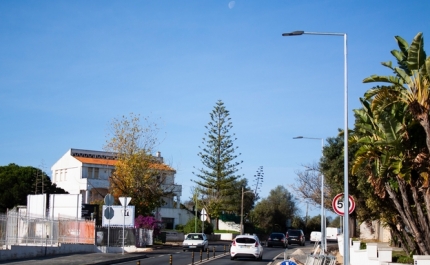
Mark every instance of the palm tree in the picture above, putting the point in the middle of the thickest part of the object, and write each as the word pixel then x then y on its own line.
pixel 409 85
pixel 391 164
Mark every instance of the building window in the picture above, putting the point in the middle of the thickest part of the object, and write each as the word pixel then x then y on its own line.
pixel 90 173
pixel 96 173
pixel 65 174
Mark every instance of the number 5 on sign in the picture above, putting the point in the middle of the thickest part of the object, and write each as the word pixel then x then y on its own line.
pixel 338 206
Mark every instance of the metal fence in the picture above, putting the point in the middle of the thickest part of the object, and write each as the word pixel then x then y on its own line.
pixel 19 229
pixel 320 260
pixel 113 236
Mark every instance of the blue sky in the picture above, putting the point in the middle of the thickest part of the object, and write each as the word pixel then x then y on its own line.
pixel 67 68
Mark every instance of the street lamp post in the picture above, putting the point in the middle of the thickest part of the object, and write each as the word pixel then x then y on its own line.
pixel 345 133
pixel 323 219
pixel 241 211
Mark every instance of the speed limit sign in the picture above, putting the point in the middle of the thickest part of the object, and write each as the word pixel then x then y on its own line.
pixel 338 206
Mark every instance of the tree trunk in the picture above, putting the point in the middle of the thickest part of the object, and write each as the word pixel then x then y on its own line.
pixel 405 238
pixel 423 222
pixel 416 231
pixel 424 121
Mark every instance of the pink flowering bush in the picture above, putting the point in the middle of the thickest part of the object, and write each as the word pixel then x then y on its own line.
pixel 148 222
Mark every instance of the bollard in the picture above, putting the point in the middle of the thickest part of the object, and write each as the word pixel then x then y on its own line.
pixel 138 262
pixel 170 259
pixel 214 251
pixel 201 255
pixel 192 258
pixel 208 252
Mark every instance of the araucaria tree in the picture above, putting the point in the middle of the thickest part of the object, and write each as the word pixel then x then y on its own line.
pixel 219 171
pixel 138 174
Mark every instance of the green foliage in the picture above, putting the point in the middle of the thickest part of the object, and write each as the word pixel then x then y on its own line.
pixel 217 177
pixel 179 228
pixel 16 182
pixel 272 213
pixel 190 227
pixel 402 257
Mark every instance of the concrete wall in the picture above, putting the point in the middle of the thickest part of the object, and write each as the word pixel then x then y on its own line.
pixel 232 226
pixel 374 231
pixel 375 255
pixel 21 252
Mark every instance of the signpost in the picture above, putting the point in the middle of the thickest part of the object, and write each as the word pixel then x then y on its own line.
pixel 108 213
pixel 338 204
pixel 203 217
pixel 124 202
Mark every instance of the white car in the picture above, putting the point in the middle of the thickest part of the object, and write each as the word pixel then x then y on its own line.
pixel 247 247
pixel 195 241
pixel 315 236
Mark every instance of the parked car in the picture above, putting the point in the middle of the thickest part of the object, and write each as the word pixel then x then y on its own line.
pixel 315 236
pixel 296 236
pixel 247 247
pixel 277 239
pixel 195 241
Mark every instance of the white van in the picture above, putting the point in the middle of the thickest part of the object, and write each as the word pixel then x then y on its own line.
pixel 332 233
pixel 315 236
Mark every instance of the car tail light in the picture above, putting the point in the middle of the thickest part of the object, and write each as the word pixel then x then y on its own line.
pixel 233 243
pixel 256 244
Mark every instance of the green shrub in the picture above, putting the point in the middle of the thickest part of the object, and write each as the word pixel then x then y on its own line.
pixel 402 257
pixel 179 228
pixel 191 228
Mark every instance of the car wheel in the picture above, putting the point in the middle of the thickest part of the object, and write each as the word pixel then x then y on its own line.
pixel 232 258
pixel 261 257
pixel 183 250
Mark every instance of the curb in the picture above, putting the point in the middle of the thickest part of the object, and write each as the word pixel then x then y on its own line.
pixel 120 260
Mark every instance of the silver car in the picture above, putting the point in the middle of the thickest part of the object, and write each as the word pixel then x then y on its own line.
pixel 247 247
pixel 195 241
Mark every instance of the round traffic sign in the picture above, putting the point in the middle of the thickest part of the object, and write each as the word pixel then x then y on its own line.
pixel 338 206
pixel 109 200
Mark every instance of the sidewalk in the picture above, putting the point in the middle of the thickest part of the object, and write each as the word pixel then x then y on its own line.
pixel 80 259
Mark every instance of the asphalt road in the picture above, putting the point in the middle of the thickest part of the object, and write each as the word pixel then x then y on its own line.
pixel 175 256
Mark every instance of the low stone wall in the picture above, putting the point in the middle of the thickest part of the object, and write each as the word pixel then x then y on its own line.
pixel 23 252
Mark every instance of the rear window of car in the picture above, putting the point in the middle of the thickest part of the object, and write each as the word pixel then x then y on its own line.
pixel 278 236
pixel 294 233
pixel 195 237
pixel 245 240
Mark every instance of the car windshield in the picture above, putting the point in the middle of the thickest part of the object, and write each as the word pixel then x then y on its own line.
pixel 245 240
pixel 194 237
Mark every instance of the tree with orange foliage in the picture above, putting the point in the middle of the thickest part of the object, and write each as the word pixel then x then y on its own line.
pixel 137 173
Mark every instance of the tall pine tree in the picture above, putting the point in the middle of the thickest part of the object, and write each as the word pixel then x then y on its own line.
pixel 219 171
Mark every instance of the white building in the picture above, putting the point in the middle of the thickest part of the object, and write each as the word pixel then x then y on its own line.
pixel 87 172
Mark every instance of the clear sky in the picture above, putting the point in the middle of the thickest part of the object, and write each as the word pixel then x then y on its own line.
pixel 67 68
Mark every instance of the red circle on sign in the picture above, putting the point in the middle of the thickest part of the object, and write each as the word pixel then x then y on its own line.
pixel 339 210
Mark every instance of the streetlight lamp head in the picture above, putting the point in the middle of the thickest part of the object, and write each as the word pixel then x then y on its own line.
pixel 294 33
pixel 298 137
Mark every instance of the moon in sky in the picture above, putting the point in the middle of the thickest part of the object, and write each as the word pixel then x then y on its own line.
pixel 231 4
